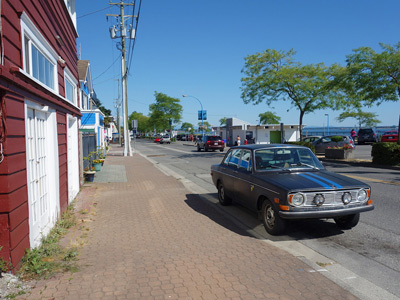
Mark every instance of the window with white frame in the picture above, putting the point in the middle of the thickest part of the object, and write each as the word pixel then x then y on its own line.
pixel 70 87
pixel 40 60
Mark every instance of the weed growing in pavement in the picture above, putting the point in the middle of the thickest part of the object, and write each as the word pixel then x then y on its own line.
pixel 50 257
pixel 4 265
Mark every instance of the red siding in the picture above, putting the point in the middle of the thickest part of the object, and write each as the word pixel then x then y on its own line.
pixel 10 201
pixel 52 20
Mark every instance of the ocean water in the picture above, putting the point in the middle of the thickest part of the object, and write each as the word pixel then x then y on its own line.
pixel 307 131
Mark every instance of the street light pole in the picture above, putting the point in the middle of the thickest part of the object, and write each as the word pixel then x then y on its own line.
pixel 201 105
pixel 327 124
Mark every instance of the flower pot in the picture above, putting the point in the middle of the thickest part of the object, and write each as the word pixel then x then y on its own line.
pixel 339 153
pixel 97 167
pixel 89 176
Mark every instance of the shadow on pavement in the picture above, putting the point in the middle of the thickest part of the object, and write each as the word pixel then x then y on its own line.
pixel 296 229
pixel 197 204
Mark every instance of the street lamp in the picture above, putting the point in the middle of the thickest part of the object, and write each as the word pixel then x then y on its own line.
pixel 201 105
pixel 327 124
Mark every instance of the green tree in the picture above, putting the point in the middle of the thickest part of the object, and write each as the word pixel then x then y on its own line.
pixel 366 119
pixel 164 110
pixel 143 122
pixel 222 121
pixel 187 126
pixel 371 77
pixel 269 118
pixel 274 75
pixel 207 126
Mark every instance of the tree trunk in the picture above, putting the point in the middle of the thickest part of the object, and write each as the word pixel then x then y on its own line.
pixel 301 125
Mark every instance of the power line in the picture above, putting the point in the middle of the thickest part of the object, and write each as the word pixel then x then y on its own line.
pixel 93 12
pixel 108 67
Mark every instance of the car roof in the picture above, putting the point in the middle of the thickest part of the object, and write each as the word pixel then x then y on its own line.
pixel 267 146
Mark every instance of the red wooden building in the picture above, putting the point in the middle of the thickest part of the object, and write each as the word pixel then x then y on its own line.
pixel 39 115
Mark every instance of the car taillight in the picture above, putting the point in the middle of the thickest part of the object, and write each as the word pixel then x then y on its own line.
pixel 222 142
pixel 208 143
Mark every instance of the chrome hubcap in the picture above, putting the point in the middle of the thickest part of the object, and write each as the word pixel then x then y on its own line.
pixel 269 216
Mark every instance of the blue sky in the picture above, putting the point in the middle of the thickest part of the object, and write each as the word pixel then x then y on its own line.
pixel 198 48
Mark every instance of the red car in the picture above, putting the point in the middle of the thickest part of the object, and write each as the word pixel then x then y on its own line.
pixel 157 139
pixel 390 136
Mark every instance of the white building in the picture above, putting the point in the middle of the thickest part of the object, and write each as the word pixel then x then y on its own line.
pixel 258 134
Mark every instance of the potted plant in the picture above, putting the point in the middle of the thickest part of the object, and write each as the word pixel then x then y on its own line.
pixel 339 152
pixel 101 155
pixel 89 171
pixel 97 164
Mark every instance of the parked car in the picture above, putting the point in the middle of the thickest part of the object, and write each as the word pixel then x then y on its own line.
pixel 165 139
pixel 329 141
pixel 390 136
pixel 285 182
pixel 211 142
pixel 366 135
pixel 311 138
pixel 157 139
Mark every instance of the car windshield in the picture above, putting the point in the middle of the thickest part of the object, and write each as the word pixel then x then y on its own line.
pixel 285 158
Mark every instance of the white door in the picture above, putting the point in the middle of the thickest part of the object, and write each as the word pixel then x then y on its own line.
pixel 38 185
pixel 73 158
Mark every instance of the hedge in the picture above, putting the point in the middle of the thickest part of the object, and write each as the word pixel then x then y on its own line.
pixel 386 154
pixel 305 144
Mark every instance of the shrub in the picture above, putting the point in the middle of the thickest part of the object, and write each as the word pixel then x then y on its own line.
pixel 305 144
pixel 337 138
pixel 386 154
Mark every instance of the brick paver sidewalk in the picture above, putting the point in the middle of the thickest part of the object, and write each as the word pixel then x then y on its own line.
pixel 152 239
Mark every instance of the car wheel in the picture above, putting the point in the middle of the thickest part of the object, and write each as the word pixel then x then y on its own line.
pixel 198 148
pixel 347 222
pixel 221 150
pixel 222 197
pixel 273 223
pixel 206 149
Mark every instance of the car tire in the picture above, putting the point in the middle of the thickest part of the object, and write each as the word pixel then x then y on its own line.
pixel 222 197
pixel 198 148
pixel 347 222
pixel 273 223
pixel 205 149
pixel 221 150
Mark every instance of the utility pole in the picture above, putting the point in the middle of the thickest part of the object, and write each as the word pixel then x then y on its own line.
pixel 123 32
pixel 118 106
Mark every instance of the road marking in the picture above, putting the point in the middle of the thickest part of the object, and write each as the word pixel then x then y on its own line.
pixel 371 179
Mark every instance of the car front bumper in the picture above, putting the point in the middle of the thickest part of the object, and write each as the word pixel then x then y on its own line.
pixel 321 214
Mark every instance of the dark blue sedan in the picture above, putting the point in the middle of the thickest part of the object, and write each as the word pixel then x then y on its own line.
pixel 284 182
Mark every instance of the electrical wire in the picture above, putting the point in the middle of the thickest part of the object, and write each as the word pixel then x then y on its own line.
pixel 134 41
pixel 107 68
pixel 93 12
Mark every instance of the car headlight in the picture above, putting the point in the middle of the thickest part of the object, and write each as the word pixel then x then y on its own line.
pixel 319 199
pixel 346 198
pixel 296 199
pixel 362 195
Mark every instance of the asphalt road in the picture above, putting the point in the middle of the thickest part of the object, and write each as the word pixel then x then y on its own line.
pixel 370 251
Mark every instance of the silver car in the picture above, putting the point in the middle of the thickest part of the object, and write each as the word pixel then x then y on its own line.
pixel 326 142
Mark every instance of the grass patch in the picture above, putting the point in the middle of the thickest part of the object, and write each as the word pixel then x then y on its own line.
pixel 50 257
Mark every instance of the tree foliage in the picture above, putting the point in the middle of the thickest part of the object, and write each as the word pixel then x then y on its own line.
pixel 371 77
pixel 187 126
pixel 165 109
pixel 207 126
pixel 143 122
pixel 222 121
pixel 274 75
pixel 366 119
pixel 269 118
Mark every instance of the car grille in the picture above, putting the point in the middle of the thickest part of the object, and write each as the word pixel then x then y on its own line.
pixel 332 199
